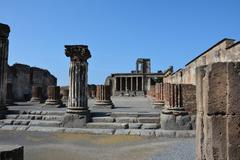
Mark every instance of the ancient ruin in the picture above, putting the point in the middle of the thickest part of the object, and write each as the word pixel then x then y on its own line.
pixel 103 97
pixel 136 83
pixel 218 112
pixel 77 111
pixel 4 33
pixel 53 97
pixel 36 95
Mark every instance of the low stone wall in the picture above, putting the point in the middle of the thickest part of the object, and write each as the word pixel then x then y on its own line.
pixel 9 152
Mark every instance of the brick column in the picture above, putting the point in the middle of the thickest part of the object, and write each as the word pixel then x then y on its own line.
pixel 36 94
pixel 4 33
pixel 10 98
pixel 65 94
pixel 53 96
pixel 159 100
pixel 77 111
pixel 218 111
pixel 103 98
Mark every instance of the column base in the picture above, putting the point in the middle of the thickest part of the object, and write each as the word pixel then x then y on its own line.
pixel 73 120
pixel 36 100
pixel 158 104
pixel 53 103
pixel 175 119
pixel 107 104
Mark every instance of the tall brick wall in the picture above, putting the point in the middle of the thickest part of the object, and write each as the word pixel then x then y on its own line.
pixel 218 111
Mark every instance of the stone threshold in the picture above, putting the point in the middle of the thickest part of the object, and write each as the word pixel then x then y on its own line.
pixel 131 132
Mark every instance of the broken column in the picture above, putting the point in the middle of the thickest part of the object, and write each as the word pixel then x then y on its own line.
pixel 65 94
pixel 36 94
pixel 10 98
pixel 103 97
pixel 4 33
pixel 174 116
pixel 159 98
pixel 218 111
pixel 53 96
pixel 77 113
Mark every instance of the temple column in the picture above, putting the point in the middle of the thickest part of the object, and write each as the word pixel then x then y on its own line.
pixel 77 113
pixel 10 98
pixel 126 84
pixel 131 83
pixel 36 94
pixel 120 81
pixel 4 33
pixel 53 96
pixel 103 97
pixel 136 83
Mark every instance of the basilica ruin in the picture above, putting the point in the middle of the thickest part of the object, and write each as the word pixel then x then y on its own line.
pixel 199 100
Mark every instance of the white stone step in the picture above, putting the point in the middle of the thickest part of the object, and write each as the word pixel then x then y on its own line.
pixel 45 123
pixel 150 126
pixel 126 120
pixel 135 114
pixel 103 119
pixel 149 119
pixel 108 125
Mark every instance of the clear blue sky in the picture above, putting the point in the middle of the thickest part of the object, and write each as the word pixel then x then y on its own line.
pixel 170 32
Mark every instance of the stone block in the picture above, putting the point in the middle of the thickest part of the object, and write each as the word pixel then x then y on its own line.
pixel 122 132
pixel 108 125
pixel 103 119
pixel 165 133
pixel 11 152
pixel 45 129
pixel 135 132
pixel 89 131
pixel 148 132
pixel 135 125
pixel 185 134
pixel 45 123
pixel 149 119
pixel 126 120
pixel 150 126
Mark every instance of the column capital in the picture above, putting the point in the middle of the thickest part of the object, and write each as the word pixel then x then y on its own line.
pixel 4 30
pixel 77 52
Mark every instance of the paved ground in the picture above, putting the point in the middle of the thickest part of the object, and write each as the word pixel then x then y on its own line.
pixel 56 146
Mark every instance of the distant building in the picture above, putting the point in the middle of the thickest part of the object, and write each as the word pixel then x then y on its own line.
pixel 137 82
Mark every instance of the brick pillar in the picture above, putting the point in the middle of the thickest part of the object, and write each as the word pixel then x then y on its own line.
pixel 103 97
pixel 173 116
pixel 65 94
pixel 77 111
pixel 218 111
pixel 159 100
pixel 53 96
pixel 10 98
pixel 36 94
pixel 4 33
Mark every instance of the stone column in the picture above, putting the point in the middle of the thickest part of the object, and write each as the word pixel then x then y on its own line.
pixel 159 101
pixel 4 33
pixel 77 113
pixel 136 83
pixel 218 111
pixel 131 83
pixel 120 80
pixel 65 94
pixel 126 84
pixel 36 94
pixel 53 96
pixel 10 98
pixel 103 97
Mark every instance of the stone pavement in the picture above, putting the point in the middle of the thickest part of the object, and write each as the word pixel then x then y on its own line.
pixel 61 146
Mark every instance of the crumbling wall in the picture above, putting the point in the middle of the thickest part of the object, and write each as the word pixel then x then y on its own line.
pixel 23 77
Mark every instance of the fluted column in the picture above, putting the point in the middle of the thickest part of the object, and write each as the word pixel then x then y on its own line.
pixel 53 96
pixel 103 97
pixel 4 33
pixel 78 93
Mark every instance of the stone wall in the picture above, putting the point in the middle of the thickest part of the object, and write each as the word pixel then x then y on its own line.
pixel 218 111
pixel 224 51
pixel 23 77
pixel 189 98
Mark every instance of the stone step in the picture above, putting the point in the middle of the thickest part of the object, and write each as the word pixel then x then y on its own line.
pixel 25 122
pixel 148 120
pixel 103 119
pixel 135 114
pixel 108 125
pixel 37 112
pixel 126 119
pixel 34 117
pixel 150 126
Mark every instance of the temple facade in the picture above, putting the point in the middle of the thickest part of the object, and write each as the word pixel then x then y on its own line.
pixel 135 83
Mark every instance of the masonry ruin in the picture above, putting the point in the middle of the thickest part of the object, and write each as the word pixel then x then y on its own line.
pixel 203 96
